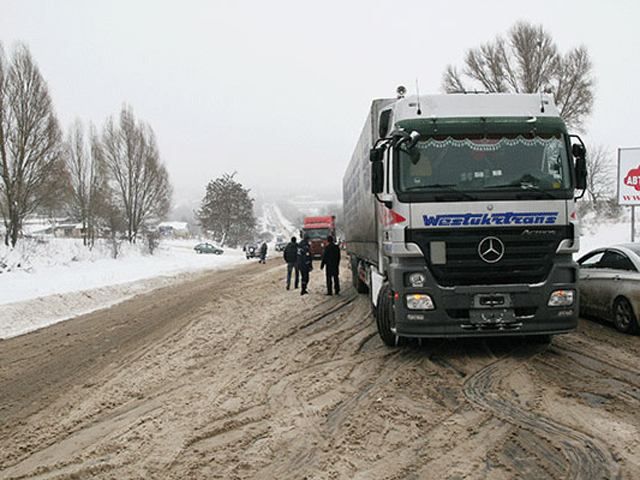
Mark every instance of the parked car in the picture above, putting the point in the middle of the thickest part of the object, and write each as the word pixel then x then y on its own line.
pixel 280 246
pixel 208 248
pixel 251 250
pixel 610 285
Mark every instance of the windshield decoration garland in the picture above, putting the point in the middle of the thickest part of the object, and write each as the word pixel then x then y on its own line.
pixel 493 146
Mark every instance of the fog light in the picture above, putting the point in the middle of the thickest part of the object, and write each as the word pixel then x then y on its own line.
pixel 419 301
pixel 417 279
pixel 561 298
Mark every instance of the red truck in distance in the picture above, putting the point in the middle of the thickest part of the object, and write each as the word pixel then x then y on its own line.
pixel 318 229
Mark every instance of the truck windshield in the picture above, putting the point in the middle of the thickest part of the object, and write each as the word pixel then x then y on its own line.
pixel 485 164
pixel 317 233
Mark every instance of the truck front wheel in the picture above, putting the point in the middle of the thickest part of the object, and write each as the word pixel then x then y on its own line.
pixel 385 318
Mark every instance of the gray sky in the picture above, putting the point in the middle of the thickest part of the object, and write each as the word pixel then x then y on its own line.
pixel 279 90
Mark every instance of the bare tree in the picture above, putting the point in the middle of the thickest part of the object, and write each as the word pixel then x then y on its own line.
pixel 31 165
pixel 600 164
pixel 138 181
pixel 86 178
pixel 528 61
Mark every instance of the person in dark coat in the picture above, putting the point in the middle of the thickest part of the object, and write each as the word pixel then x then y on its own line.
pixel 305 263
pixel 331 260
pixel 263 253
pixel 291 257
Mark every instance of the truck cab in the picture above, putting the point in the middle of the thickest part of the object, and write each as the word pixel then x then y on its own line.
pixel 460 216
pixel 318 229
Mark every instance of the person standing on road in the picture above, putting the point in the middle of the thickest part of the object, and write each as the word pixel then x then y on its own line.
pixel 263 253
pixel 305 263
pixel 331 260
pixel 291 257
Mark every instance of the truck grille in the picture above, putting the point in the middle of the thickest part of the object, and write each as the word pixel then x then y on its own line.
pixel 528 254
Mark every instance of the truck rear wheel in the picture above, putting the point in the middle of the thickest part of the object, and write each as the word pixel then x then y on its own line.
pixel 358 284
pixel 385 318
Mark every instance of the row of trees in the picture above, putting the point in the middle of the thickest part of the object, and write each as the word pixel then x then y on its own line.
pixel 111 180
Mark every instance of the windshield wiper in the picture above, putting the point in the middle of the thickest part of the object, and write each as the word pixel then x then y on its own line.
pixel 450 188
pixel 524 188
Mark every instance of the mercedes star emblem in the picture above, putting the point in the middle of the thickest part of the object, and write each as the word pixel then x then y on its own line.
pixel 491 249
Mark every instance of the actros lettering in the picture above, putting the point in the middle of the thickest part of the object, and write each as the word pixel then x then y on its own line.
pixel 506 218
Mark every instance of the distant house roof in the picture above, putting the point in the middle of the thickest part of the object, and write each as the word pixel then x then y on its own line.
pixel 176 226
pixel 68 225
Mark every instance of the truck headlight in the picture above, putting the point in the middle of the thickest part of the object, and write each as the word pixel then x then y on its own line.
pixel 419 301
pixel 417 279
pixel 561 298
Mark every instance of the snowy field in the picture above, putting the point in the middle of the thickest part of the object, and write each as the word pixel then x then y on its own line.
pixel 43 282
pixel 48 280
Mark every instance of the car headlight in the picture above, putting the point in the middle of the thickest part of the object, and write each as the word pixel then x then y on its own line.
pixel 417 279
pixel 419 301
pixel 561 298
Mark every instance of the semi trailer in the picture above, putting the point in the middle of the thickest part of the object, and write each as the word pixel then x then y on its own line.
pixel 460 216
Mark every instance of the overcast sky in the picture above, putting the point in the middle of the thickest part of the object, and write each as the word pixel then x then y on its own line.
pixel 279 90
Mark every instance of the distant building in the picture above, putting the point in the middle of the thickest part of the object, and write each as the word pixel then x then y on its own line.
pixel 70 230
pixel 174 229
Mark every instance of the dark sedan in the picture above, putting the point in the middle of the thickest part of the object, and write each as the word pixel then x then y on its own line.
pixel 208 248
pixel 610 285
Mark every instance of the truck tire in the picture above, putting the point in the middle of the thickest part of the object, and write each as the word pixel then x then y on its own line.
pixel 385 319
pixel 358 284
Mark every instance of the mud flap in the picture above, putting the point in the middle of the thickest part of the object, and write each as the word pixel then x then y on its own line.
pixel 376 284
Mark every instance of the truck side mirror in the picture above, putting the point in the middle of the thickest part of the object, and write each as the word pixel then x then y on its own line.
pixel 377 176
pixel 581 172
pixel 580 154
pixel 375 155
pixel 385 123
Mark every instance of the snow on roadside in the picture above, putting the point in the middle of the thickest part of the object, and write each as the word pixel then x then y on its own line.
pixel 26 316
pixel 64 265
pixel 45 281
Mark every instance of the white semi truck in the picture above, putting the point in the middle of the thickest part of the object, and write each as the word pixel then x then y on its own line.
pixel 460 216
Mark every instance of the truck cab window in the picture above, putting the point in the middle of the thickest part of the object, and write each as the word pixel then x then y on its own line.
pixel 485 164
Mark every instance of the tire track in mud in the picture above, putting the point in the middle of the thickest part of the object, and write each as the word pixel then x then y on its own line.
pixel 600 366
pixel 328 314
pixel 587 457
pixel 617 382
pixel 331 330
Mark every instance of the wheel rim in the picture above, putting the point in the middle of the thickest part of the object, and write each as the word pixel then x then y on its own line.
pixel 623 315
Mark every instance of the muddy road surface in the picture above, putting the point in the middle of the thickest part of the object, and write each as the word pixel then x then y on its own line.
pixel 230 376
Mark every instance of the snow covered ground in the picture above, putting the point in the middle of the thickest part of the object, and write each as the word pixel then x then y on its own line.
pixel 48 280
